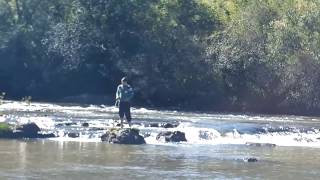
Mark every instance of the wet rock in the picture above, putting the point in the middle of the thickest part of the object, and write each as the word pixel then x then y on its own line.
pixel 123 136
pixel 73 135
pixel 147 134
pixel 260 144
pixel 118 125
pixel 96 129
pixel 153 125
pixel 250 159
pixel 66 124
pixel 30 130
pixel 108 137
pixel 176 136
pixel 163 125
pixel 70 123
pixel 85 124
pixel 169 125
pixel 59 125
pixel 303 139
pixel 207 135
pixel 281 129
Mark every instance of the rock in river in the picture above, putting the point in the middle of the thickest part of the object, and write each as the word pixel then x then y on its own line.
pixel 30 130
pixel 175 136
pixel 169 125
pixel 250 159
pixel 73 135
pixel 85 124
pixel 123 136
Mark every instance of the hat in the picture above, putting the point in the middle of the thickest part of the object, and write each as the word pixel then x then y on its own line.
pixel 124 79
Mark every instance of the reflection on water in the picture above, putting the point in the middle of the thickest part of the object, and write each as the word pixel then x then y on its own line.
pixel 22 155
pixel 84 160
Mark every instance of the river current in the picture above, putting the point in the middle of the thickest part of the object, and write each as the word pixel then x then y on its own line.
pixel 216 148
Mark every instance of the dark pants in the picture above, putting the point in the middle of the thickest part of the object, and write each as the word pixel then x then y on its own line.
pixel 124 110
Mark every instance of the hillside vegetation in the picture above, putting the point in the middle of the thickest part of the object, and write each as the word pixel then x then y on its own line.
pixel 221 55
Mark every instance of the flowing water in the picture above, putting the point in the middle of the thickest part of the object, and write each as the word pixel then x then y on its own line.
pixel 216 148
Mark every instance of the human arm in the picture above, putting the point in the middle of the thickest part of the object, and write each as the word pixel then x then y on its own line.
pixel 118 93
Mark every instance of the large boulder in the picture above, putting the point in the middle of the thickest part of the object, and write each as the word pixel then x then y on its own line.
pixel 176 136
pixel 30 130
pixel 123 136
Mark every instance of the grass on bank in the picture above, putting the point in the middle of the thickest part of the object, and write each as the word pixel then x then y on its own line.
pixel 4 127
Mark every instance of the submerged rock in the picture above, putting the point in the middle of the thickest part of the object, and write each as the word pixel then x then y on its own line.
pixel 70 124
pixel 169 125
pixel 73 135
pixel 123 136
pixel 118 125
pixel 260 144
pixel 85 124
pixel 96 129
pixel 152 125
pixel 176 136
pixel 66 124
pixel 161 125
pixel 207 135
pixel 303 139
pixel 250 159
pixel 147 134
pixel 59 125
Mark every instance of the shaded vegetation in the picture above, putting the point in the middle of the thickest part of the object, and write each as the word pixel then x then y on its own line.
pixel 234 55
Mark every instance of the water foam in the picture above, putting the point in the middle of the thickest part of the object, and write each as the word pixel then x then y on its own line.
pixel 199 128
pixel 214 137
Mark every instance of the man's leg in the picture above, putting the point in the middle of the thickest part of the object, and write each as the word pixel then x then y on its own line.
pixel 121 113
pixel 128 113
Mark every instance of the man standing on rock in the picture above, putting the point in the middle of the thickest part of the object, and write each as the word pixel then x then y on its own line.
pixel 124 95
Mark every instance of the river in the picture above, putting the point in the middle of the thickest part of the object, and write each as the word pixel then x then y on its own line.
pixel 216 146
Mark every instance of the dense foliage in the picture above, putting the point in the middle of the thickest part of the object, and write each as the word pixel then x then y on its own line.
pixel 238 55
